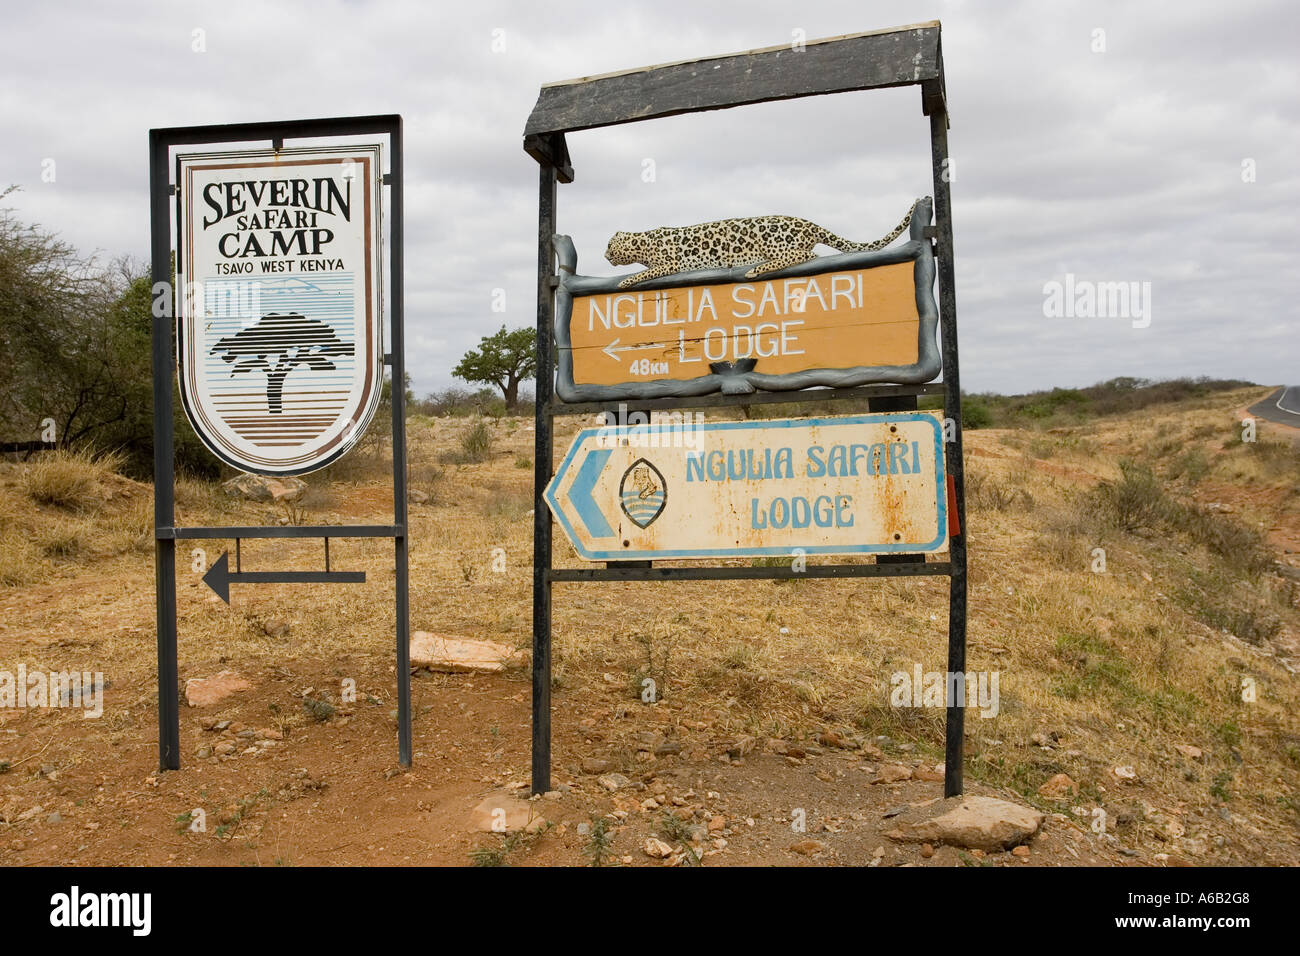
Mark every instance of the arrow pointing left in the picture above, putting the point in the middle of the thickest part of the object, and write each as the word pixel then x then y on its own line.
pixel 613 348
pixel 219 577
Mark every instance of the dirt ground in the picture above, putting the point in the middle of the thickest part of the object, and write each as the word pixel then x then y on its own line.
pixel 773 732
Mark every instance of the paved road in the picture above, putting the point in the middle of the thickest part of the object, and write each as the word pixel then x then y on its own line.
pixel 1283 406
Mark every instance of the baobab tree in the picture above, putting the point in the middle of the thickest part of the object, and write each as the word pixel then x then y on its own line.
pixel 504 360
pixel 277 344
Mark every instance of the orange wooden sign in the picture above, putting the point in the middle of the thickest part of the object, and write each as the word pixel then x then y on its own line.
pixel 854 317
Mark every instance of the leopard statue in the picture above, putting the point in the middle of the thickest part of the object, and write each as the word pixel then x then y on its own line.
pixel 770 243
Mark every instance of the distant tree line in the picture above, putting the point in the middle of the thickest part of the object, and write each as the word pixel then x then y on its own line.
pixel 1065 406
pixel 455 401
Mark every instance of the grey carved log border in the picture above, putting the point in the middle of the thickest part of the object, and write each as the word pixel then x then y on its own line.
pixel 928 364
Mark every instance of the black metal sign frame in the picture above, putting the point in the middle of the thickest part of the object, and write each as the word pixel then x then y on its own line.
pixel 906 56
pixel 166 534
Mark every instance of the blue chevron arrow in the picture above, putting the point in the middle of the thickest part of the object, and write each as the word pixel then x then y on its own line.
pixel 581 497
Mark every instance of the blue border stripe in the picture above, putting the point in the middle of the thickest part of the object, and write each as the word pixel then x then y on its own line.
pixel 580 493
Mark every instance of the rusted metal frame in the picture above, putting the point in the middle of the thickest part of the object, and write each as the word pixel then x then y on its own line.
pixel 934 102
pixel 910 568
pixel 543 469
pixel 326 531
pixel 863 393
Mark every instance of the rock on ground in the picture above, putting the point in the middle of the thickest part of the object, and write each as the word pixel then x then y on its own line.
pixel 1059 787
pixel 981 823
pixel 657 849
pixel 262 488
pixel 502 813
pixel 206 691
pixel 458 655
pixel 894 772
pixel 808 847
pixel 613 781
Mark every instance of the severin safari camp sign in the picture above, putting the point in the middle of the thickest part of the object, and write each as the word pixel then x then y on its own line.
pixel 279 334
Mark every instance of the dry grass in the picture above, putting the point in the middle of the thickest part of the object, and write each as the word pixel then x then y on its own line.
pixel 20 560
pixel 68 479
pixel 67 508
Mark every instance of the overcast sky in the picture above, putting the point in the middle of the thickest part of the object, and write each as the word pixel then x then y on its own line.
pixel 1124 165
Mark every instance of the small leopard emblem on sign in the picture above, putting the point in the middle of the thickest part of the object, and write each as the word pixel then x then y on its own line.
pixel 643 492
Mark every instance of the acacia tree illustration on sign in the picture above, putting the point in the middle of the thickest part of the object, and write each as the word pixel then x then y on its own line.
pixel 276 345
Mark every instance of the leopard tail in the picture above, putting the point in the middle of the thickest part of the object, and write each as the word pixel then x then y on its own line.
pixel 844 245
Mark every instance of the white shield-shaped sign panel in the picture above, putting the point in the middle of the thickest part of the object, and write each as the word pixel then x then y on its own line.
pixel 279 318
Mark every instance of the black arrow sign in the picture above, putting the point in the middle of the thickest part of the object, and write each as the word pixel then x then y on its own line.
pixel 219 577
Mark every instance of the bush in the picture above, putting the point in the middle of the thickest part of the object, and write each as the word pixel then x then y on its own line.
pixel 428 479
pixel 975 413
pixel 1236 543
pixel 984 493
pixel 1114 397
pixel 1139 501
pixel 67 479
pixel 1136 501
pixel 454 401
pixel 476 444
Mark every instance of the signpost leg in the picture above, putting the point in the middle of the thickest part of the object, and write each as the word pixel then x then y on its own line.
pixel 169 717
pixel 398 372
pixel 403 643
pixel 164 512
pixel 544 463
pixel 956 724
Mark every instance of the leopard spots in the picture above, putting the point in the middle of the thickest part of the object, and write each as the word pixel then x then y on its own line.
pixel 767 243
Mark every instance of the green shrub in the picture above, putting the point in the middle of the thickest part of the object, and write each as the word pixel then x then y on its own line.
pixel 975 413
pixel 1136 500
pixel 476 444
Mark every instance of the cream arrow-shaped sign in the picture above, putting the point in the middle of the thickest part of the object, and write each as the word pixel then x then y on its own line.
pixel 859 484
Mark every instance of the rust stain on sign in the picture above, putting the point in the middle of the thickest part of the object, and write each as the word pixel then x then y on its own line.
pixel 859 484
pixel 854 317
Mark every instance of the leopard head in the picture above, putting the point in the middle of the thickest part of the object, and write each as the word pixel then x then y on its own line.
pixel 623 249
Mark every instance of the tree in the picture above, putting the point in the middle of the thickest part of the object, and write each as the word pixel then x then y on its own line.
pixel 276 345
pixel 70 351
pixel 75 347
pixel 503 359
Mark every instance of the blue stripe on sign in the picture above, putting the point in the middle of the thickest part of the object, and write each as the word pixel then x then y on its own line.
pixel 639 507
pixel 580 493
